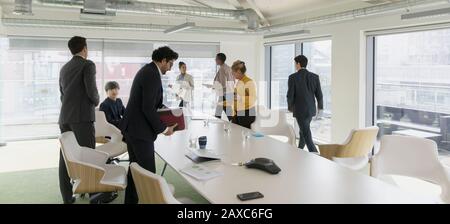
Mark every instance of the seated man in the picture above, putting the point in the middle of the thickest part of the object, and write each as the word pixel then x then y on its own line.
pixel 113 106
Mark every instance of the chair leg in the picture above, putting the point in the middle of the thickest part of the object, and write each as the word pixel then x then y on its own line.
pixel 164 169
pixel 97 198
pixel 104 197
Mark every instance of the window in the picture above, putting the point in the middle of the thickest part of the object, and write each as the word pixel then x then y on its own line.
pixel 282 65
pixel 411 73
pixel 319 56
pixel 201 64
pixel 29 86
pixel 282 57
pixel 29 73
pixel 123 59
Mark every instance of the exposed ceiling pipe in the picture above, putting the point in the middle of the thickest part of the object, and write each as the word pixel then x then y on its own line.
pixel 356 13
pixel 332 18
pixel 165 9
pixel 23 7
pixel 111 26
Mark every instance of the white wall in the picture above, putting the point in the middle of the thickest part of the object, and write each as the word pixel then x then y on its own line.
pixel 348 65
pixel 245 51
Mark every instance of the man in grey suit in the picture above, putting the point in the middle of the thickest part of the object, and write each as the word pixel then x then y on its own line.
pixel 79 97
pixel 303 90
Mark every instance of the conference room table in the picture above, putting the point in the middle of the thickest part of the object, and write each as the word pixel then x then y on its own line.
pixel 304 178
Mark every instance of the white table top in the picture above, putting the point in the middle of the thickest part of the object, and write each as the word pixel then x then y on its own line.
pixel 304 177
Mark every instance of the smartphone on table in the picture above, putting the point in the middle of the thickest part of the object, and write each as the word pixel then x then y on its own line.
pixel 250 196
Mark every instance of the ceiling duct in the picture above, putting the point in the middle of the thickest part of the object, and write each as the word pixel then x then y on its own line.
pixel 23 7
pixel 96 10
pixel 395 6
pixel 164 9
pixel 252 19
pixel 427 14
pixel 94 6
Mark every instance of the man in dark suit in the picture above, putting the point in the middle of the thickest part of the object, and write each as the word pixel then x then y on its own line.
pixel 303 90
pixel 141 123
pixel 79 97
pixel 112 106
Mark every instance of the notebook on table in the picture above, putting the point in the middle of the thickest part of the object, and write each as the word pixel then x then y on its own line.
pixel 200 172
pixel 202 155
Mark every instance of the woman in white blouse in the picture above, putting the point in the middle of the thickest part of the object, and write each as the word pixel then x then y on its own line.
pixel 184 87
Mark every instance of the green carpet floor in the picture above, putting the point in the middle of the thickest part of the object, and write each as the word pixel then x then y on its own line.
pixel 41 187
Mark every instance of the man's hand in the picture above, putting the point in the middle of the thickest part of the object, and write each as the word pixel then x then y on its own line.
pixel 170 130
pixel 319 114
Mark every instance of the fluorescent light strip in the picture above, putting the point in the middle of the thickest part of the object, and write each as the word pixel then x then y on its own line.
pixel 179 28
pixel 430 13
pixel 288 33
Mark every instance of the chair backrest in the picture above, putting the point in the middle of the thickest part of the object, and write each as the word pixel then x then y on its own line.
pixel 104 128
pixel 70 147
pixel 412 157
pixel 151 188
pixel 273 122
pixel 359 143
pixel 85 166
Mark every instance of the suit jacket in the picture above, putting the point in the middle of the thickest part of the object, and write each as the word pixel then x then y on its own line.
pixel 114 110
pixel 79 94
pixel 141 119
pixel 303 90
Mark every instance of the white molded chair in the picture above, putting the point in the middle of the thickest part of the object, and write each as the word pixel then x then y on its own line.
pixel 114 147
pixel 273 122
pixel 354 152
pixel 88 169
pixel 412 157
pixel 152 188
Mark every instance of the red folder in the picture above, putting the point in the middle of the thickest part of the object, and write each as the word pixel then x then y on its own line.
pixel 171 117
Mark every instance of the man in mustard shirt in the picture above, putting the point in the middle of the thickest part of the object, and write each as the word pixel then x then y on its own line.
pixel 244 96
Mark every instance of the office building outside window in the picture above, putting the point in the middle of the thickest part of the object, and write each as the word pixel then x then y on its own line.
pixel 282 65
pixel 412 85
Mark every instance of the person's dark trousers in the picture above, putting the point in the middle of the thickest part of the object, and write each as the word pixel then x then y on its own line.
pixel 85 135
pixel 305 134
pixel 245 118
pixel 228 110
pixel 142 152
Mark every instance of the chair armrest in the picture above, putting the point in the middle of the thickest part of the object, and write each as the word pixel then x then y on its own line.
pixel 92 156
pixel 329 150
pixel 87 177
pixel 115 133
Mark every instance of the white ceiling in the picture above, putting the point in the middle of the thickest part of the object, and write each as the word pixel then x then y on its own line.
pixel 272 12
pixel 276 9
pixel 271 9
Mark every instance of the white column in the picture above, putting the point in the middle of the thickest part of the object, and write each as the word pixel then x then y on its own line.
pixel 347 97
